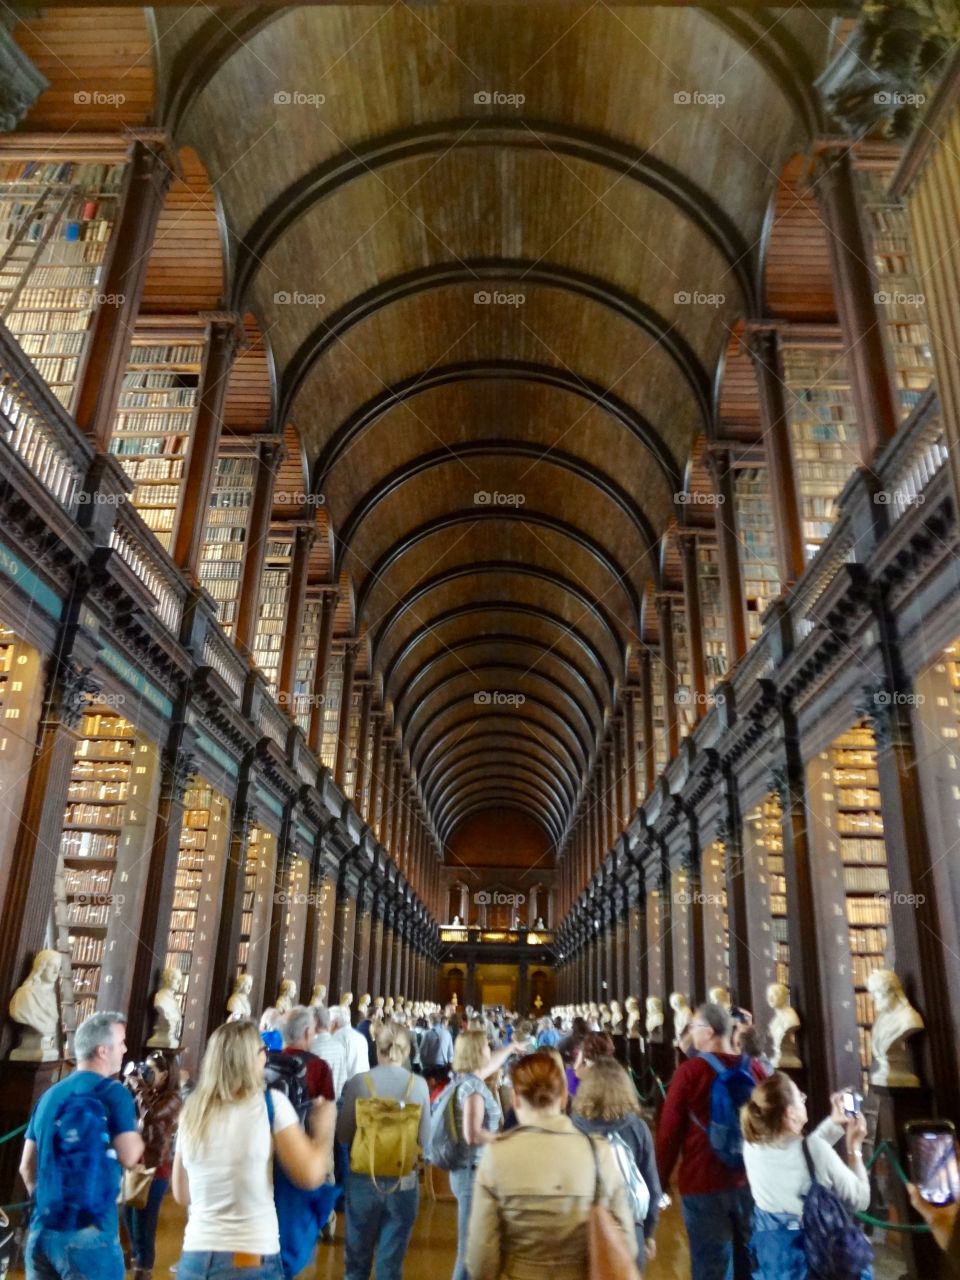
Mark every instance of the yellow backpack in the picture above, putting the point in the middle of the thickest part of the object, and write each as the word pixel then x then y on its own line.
pixel 385 1144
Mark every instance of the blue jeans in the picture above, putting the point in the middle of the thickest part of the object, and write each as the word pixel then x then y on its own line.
pixel 220 1266
pixel 718 1229
pixel 778 1246
pixel 461 1184
pixel 141 1225
pixel 377 1222
pixel 87 1254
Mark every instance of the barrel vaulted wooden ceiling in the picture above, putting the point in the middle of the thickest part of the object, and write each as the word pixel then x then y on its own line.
pixel 497 254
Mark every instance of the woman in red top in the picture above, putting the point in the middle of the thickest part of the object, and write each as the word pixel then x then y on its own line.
pixel 155 1090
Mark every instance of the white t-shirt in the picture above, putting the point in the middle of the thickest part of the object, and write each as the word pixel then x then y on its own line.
pixel 231 1179
pixel 357 1049
pixel 779 1178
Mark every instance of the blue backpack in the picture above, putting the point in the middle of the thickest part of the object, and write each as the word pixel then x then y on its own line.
pixel 301 1214
pixel 731 1090
pixel 835 1246
pixel 77 1168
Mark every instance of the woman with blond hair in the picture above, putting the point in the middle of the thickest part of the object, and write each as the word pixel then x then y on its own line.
pixel 607 1105
pixel 477 1115
pixel 536 1185
pixel 229 1133
pixel 381 1214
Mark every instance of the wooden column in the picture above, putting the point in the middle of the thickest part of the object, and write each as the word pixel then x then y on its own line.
pixel 630 734
pixel 669 664
pixel 224 966
pixel 764 347
pixel 397 800
pixel 730 831
pixel 376 946
pixel 328 614
pixel 363 738
pixel 854 290
pixel 304 538
pixel 269 456
pixel 361 957
pixel 728 551
pixel 223 342
pixel 376 768
pixel 346 712
pixel 691 604
pixel 646 714
pixel 146 183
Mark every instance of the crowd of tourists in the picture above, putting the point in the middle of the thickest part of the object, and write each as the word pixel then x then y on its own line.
pixel 541 1130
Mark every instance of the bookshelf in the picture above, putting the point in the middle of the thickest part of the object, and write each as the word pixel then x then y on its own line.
pixel 680 910
pixel 686 710
pixel 274 595
pixel 757 543
pixel 712 614
pixel 350 776
pixel 297 887
pixel 655 942
pixel 224 538
pixel 658 687
pixel 823 430
pixel 56 219
pixel 21 695
pixel 258 872
pixel 902 313
pixel 93 823
pixel 154 423
pixel 716 922
pixel 858 823
pixel 766 888
pixel 307 659
pixel 331 710
pixel 195 897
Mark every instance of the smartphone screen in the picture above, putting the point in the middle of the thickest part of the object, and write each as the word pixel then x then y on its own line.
pixel 851 1102
pixel 933 1162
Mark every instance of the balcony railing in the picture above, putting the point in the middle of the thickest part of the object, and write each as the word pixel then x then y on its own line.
pixel 913 457
pixel 140 551
pixel 40 431
pixel 220 655
pixel 475 933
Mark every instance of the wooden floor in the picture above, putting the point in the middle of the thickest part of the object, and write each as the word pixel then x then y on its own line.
pixel 432 1249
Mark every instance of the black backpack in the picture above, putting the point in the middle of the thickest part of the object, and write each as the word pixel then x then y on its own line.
pixel 287 1073
pixel 835 1246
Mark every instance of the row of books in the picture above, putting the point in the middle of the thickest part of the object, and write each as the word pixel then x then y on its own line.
pixel 94 914
pixel 88 844
pixel 86 948
pixel 97 789
pixel 87 881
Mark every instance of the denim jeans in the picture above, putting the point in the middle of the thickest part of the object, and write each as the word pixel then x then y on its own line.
pixel 87 1254
pixel 141 1225
pixel 379 1223
pixel 777 1245
pixel 718 1228
pixel 461 1184
pixel 220 1266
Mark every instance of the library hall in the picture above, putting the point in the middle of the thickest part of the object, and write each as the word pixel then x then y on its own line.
pixel 480 640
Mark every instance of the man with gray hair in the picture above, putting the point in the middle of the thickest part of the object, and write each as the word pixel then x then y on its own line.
pixel 329 1048
pixel 297 1031
pixel 356 1047
pixel 714 1195
pixel 81 1133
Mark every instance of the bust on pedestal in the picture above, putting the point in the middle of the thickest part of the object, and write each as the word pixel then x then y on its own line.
pixel 633 1018
pixel 34 1006
pixel 783 1028
pixel 682 1016
pixel 895 1023
pixel 720 996
pixel 654 1022
pixel 318 995
pixel 169 1020
pixel 238 1004
pixel 286 996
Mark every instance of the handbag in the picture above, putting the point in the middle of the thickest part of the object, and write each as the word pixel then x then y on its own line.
pixel 607 1255
pixel 135 1187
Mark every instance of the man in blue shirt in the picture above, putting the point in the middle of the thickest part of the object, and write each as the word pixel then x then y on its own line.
pixel 436 1050
pixel 91 1251
pixel 549 1036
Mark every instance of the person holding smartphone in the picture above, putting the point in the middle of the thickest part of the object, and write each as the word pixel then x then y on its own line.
pixel 773 1122
pixel 936 1193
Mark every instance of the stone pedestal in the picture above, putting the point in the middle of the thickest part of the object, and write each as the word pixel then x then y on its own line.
pixel 23 1084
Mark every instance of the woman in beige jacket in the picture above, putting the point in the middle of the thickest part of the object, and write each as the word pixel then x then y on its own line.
pixel 536 1184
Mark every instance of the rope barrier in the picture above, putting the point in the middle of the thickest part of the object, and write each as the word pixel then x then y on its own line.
pixel 12 1134
pixel 657 1085
pixel 887 1148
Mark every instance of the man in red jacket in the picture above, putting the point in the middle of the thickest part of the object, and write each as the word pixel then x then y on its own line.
pixel 716 1201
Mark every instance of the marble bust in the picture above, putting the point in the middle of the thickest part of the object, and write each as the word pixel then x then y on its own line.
pixel 318 995
pixel 286 996
pixel 34 1006
pixel 616 1018
pixel 346 999
pixel 169 1020
pixel 682 1015
pixel 896 1021
pixel 783 1027
pixel 633 1018
pixel 654 1021
pixel 238 1004
pixel 720 996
